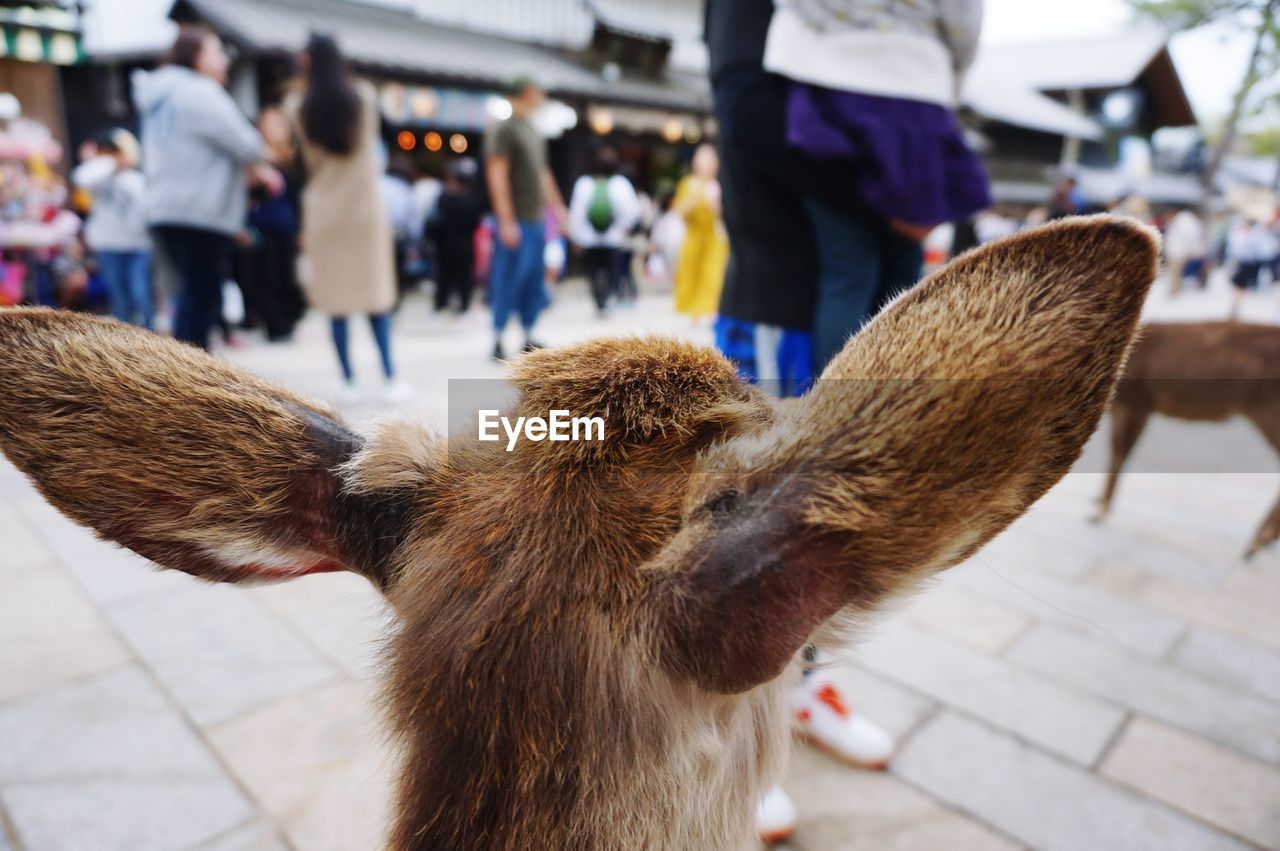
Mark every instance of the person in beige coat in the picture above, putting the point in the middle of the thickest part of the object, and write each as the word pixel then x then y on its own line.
pixel 346 232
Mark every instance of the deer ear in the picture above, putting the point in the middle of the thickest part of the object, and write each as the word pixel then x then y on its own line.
pixel 189 462
pixel 935 427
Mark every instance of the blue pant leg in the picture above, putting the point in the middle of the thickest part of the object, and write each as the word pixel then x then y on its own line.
pixel 901 263
pixel 114 268
pixel 339 330
pixel 381 326
pixel 139 282
pixel 795 363
pixel 533 294
pixel 849 275
pixel 502 284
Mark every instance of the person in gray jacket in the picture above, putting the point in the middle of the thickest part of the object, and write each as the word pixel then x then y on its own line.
pixel 198 150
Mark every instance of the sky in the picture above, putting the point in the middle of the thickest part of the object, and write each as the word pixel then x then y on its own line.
pixel 1211 65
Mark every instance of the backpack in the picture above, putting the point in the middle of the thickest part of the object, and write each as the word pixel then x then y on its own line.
pixel 600 212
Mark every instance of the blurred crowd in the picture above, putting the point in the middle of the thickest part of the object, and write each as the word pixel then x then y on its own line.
pixel 206 225
pixel 831 188
pixel 1242 243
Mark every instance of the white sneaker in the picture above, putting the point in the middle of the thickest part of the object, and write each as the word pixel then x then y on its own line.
pixel 824 720
pixel 397 390
pixel 775 816
pixel 347 393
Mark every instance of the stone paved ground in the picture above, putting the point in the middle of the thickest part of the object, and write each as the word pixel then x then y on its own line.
pixel 1073 687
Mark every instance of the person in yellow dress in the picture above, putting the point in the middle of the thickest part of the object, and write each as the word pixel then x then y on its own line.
pixel 700 274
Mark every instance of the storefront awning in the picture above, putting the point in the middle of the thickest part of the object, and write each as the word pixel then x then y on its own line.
pixel 32 34
pixel 396 42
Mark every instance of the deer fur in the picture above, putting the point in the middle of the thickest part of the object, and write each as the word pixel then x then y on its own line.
pixel 593 639
pixel 1206 372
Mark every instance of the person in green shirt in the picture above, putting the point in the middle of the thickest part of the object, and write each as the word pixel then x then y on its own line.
pixel 520 186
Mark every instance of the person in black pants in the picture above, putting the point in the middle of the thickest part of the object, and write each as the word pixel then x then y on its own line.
pixel 267 272
pixel 197 148
pixel 603 212
pixel 771 293
pixel 201 258
pixel 604 273
pixel 453 228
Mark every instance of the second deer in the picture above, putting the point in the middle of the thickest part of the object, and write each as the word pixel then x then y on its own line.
pixel 1207 372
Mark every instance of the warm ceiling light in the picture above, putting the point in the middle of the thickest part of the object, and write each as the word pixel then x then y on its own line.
pixel 601 121
pixel 433 141
pixel 458 143
pixel 406 140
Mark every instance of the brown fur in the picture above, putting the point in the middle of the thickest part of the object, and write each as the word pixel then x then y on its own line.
pixel 594 638
pixel 1207 372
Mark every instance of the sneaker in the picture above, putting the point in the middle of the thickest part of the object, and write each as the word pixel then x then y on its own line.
pixel 532 346
pixel 498 354
pixel 397 390
pixel 347 393
pixel 824 720
pixel 775 816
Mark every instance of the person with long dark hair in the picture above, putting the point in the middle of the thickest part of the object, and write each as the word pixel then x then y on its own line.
pixel 346 233
pixel 197 148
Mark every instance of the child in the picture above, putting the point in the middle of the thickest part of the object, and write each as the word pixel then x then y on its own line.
pixel 117 226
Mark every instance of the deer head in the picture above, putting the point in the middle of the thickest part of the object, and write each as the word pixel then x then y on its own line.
pixel 591 636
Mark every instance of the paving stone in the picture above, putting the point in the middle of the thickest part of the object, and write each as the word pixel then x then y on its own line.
pixel 840 808
pixel 1183 527
pixel 110 573
pixel 967 618
pixel 50 633
pixel 341 613
pixel 1052 599
pixel 258 835
pixel 1039 800
pixel 1045 542
pixel 217 649
pixel 63 535
pixel 22 546
pixel 1245 605
pixel 1150 551
pixel 105 764
pixel 1117 578
pixel 1059 719
pixel 1187 527
pixel 1188 773
pixel 893 708
pixel 13 484
pixel 121 815
pixel 1232 660
pixel 105 571
pixel 1177 547
pixel 1164 692
pixel 318 764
